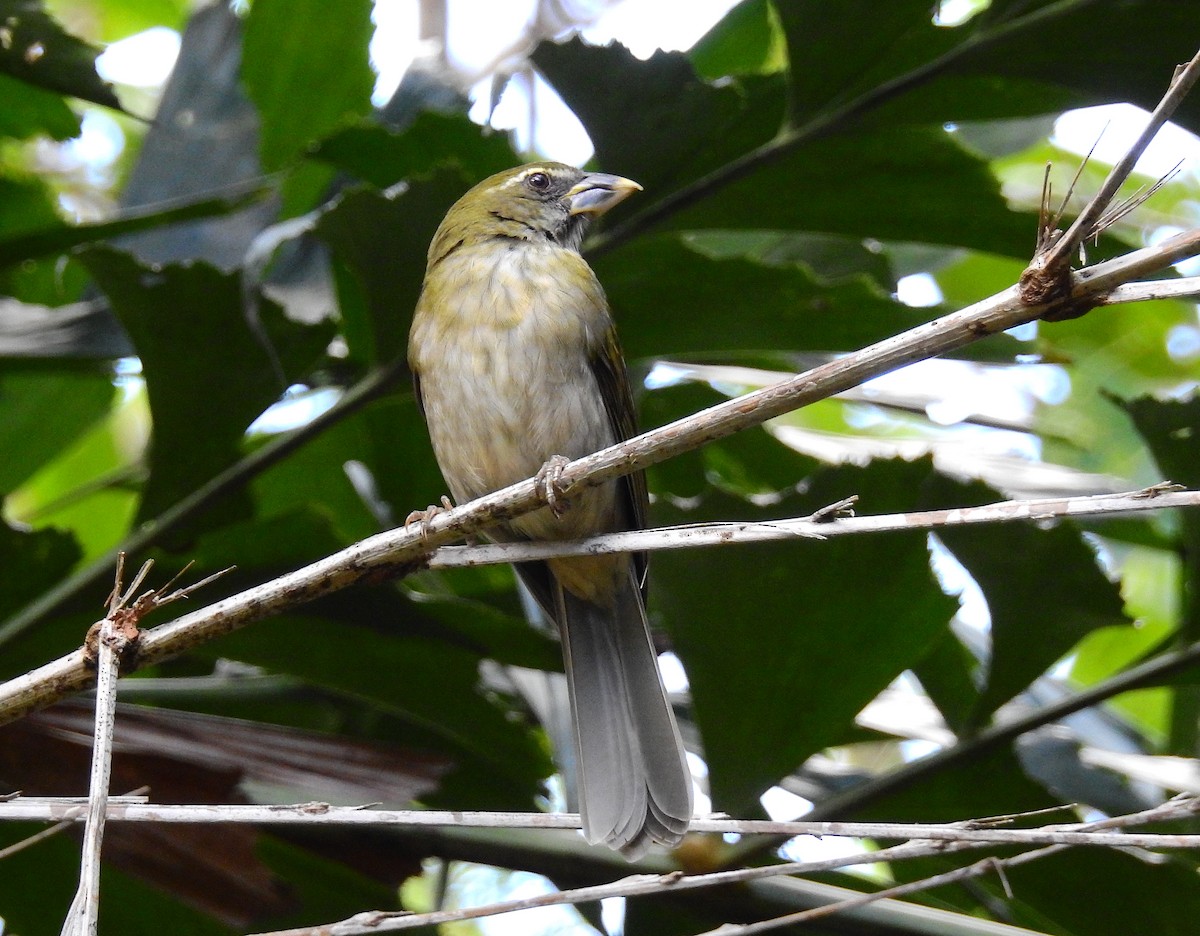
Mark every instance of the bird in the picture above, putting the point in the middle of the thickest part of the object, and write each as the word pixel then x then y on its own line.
pixel 517 368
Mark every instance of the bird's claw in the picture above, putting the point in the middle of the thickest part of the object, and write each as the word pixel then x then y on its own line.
pixel 423 517
pixel 549 482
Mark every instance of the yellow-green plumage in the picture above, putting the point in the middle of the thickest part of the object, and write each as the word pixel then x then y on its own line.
pixel 516 360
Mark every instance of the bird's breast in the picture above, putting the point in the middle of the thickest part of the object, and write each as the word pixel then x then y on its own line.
pixel 501 341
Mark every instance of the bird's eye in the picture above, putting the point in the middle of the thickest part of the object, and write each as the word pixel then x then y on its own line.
pixel 538 181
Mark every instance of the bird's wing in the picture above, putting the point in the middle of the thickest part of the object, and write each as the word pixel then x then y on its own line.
pixel 416 384
pixel 608 366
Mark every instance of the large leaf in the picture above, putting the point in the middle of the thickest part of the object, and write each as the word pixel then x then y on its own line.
pixel 748 41
pixel 672 298
pixel 209 371
pixel 1052 894
pixel 306 70
pixel 1043 587
pixel 1014 60
pixel 784 643
pixel 383 238
pixel 41 412
pixel 25 206
pixel 32 562
pixel 1170 428
pixel 383 156
pixel 623 102
pixel 1140 43
pixel 28 111
pixel 916 180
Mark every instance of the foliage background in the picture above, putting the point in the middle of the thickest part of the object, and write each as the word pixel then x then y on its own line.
pixel 872 143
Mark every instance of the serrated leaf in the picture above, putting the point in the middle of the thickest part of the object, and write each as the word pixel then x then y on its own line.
pixel 383 238
pixel 784 643
pixel 623 101
pixel 671 298
pixel 747 41
pixel 383 156
pixel 208 372
pixel 908 184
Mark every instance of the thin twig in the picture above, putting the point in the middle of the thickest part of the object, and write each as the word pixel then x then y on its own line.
pixel 83 915
pixel 692 536
pixel 990 865
pixel 1187 287
pixel 644 884
pixel 323 814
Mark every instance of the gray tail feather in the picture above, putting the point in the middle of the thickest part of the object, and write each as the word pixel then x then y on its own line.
pixel 634 784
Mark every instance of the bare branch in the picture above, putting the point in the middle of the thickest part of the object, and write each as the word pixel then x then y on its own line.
pixel 691 536
pixel 984 831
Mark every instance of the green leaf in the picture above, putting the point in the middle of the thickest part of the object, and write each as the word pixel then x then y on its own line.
pixel 32 562
pixel 987 783
pixel 383 156
pixel 305 68
pixel 89 487
pixel 1122 350
pixel 757 624
pixel 747 41
pixel 623 102
pixel 40 882
pixel 1172 430
pixel 657 285
pixel 28 111
pixel 836 185
pixel 383 238
pixel 848 59
pixel 429 685
pixel 43 411
pixel 25 206
pixel 946 674
pixel 208 372
pixel 1043 587
pixel 37 50
pixel 830 257
pixel 1140 43
pixel 1100 890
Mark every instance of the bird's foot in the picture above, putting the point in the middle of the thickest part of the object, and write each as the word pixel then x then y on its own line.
pixel 549 483
pixel 423 517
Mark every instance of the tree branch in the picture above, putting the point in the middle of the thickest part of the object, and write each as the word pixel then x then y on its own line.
pixel 691 536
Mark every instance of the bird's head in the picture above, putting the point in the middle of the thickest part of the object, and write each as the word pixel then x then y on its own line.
pixel 538 202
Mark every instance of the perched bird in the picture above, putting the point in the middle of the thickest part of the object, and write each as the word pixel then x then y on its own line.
pixel 517 366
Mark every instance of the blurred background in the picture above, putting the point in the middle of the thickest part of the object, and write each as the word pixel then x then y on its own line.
pixel 213 220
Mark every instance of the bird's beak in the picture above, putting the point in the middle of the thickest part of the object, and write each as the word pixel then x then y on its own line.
pixel 596 192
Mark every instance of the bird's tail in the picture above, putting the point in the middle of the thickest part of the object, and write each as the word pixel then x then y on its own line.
pixel 634 784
